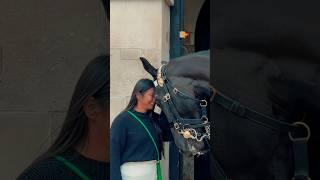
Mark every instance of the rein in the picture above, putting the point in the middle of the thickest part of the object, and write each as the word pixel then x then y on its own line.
pixel 299 144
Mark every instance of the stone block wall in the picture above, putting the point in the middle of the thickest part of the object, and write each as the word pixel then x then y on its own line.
pixel 44 46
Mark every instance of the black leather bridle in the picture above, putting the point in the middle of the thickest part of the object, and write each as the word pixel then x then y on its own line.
pixel 299 143
pixel 184 126
pixel 187 127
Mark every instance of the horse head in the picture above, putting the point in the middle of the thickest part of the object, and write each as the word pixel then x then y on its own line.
pixel 183 93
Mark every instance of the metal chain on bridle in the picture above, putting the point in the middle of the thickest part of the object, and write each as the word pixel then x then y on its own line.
pixel 186 127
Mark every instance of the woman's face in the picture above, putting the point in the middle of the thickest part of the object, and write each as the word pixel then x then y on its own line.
pixel 147 100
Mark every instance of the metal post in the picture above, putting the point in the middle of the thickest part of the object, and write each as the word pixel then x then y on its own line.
pixel 181 168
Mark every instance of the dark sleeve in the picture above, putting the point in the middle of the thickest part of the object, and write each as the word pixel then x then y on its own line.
pixel 117 145
pixel 44 170
pixel 165 127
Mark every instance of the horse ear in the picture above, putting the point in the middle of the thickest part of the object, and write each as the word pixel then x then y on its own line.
pixel 149 68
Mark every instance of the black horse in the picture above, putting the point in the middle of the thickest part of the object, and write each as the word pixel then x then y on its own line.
pixel 250 139
pixel 266 74
pixel 183 93
pixel 257 101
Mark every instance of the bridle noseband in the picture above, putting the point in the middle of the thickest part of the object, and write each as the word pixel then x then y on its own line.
pixel 299 143
pixel 184 126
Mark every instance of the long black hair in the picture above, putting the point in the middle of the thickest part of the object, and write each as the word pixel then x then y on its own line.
pixel 140 88
pixel 93 82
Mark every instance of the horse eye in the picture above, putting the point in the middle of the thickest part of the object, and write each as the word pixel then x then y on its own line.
pixel 201 92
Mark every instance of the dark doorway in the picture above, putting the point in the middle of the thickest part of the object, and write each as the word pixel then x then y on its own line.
pixel 202 42
pixel 202 31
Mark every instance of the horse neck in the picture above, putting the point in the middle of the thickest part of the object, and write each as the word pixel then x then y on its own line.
pixel 251 78
pixel 241 75
pixel 195 66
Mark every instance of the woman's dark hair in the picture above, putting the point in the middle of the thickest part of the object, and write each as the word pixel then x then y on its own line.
pixel 93 82
pixel 140 88
pixel 106 5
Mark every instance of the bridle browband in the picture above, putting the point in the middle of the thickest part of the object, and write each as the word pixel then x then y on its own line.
pixel 186 127
pixel 299 144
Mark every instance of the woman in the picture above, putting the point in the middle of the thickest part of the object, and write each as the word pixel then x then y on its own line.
pixel 81 148
pixel 136 138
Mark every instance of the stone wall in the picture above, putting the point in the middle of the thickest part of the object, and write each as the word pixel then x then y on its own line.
pixel 137 28
pixel 44 46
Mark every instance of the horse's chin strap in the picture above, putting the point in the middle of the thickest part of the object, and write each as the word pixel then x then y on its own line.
pixel 185 127
pixel 299 143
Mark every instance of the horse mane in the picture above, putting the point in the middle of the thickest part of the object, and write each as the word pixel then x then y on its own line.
pixel 194 66
pixel 294 85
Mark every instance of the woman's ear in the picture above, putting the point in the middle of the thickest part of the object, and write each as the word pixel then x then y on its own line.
pixel 91 108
